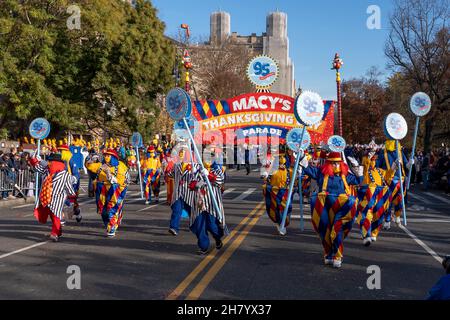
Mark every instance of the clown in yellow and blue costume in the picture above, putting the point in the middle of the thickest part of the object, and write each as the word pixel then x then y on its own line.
pixel 111 188
pixel 386 159
pixel 73 169
pixel 151 174
pixel 374 197
pixel 204 218
pixel 333 208
pixel 275 191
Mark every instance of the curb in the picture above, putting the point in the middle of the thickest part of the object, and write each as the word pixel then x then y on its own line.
pixel 16 202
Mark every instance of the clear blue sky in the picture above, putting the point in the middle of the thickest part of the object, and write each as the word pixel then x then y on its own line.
pixel 316 29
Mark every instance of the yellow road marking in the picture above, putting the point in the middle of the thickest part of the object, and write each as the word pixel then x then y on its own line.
pixel 191 277
pixel 209 276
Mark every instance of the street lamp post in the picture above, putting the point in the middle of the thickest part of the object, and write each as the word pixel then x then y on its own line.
pixel 337 63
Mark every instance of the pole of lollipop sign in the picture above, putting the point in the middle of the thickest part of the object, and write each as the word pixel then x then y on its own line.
pixel 396 128
pixel 179 108
pixel 136 142
pixel 308 110
pixel 420 105
pixel 299 140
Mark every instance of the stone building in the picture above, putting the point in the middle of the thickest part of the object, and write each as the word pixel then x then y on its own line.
pixel 274 42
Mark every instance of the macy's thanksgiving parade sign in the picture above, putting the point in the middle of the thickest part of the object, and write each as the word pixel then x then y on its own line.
pixel 255 114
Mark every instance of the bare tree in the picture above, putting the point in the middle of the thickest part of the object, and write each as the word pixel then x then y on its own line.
pixel 418 48
pixel 220 71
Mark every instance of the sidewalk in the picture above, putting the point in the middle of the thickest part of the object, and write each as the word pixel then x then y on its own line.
pixel 16 202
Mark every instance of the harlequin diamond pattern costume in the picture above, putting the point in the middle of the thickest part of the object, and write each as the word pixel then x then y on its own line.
pixel 111 188
pixel 151 171
pixel 333 208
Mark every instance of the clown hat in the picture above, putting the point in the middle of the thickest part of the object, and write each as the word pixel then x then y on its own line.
pixel 63 147
pixel 111 152
pixel 334 156
pixel 151 149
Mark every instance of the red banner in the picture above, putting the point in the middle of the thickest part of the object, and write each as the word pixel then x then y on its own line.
pixel 259 113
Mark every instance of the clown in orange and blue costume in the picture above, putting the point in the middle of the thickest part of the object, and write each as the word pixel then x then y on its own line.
pixel 111 188
pixel 386 159
pixel 151 172
pixel 333 208
pixel 73 170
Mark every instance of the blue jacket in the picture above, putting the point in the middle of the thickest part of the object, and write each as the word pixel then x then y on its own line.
pixel 392 156
pixel 441 290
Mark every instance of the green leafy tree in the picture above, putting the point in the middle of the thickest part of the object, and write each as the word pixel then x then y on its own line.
pixel 103 76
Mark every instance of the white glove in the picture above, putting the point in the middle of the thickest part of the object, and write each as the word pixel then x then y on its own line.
pixel 410 163
pixel 264 175
pixel 113 180
pixel 299 171
pixel 205 172
pixel 360 171
pixel 353 161
pixel 370 155
pixel 304 162
pixel 395 165
pixel 73 180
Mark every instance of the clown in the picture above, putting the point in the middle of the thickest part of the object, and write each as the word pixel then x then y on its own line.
pixel 167 166
pixel 204 217
pixel 386 159
pixel 151 174
pixel 111 188
pixel 183 198
pixel 374 197
pixel 275 191
pixel 333 208
pixel 73 170
pixel 57 186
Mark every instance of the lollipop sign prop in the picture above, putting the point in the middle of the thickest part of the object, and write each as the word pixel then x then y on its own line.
pixel 336 143
pixel 396 128
pixel 308 111
pixel 420 105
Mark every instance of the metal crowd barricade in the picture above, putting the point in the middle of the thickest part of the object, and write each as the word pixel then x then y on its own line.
pixel 21 181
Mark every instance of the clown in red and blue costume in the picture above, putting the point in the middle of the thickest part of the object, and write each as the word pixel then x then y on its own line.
pixel 333 208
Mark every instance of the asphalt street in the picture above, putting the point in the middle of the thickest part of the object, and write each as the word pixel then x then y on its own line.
pixel 144 261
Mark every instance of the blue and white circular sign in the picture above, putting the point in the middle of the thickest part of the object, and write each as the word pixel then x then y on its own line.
pixel 309 108
pixel 336 143
pixel 178 104
pixel 39 128
pixel 420 104
pixel 395 126
pixel 193 124
pixel 296 142
pixel 262 71
pixel 136 140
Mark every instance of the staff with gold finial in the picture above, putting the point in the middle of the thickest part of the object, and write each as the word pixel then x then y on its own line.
pixel 337 64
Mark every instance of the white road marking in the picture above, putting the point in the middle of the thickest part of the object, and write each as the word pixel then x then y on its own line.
pixel 23 249
pixel 228 191
pixel 438 197
pixel 24 206
pixel 147 208
pixel 417 197
pixel 422 244
pixel 244 195
pixel 139 199
pixel 255 170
